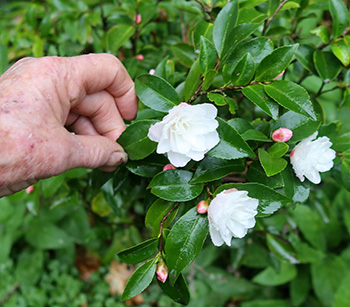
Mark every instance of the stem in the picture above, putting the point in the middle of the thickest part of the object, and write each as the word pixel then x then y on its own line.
pixel 162 226
pixel 9 294
pixel 206 10
pixel 319 91
pixel 273 16
pixel 183 29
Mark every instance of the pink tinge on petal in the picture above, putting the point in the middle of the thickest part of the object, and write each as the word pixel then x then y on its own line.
pixel 162 271
pixel 168 166
pixel 30 189
pixel 202 207
pixel 138 18
pixel 230 190
pixel 292 153
pixel 282 135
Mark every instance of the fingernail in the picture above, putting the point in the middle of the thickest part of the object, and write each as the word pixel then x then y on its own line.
pixel 117 158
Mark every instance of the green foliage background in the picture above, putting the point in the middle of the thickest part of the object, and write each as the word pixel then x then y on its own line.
pixel 299 256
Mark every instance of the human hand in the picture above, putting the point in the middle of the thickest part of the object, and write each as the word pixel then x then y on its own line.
pixel 41 98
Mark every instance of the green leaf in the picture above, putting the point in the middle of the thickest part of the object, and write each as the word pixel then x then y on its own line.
pixel 244 71
pixel 184 242
pixel 291 96
pixel 301 125
pixel 148 167
pixel 271 165
pixel 231 145
pixel 208 79
pixel 342 143
pixel 3 58
pixel 45 235
pixel 140 252
pixel 193 80
pixel 326 276
pixel 341 49
pixel 345 173
pixel 220 99
pixel 179 293
pixel 100 205
pixel 300 287
pixel 156 93
pixel 282 249
pixel 323 33
pixel 255 135
pixel 342 295
pixel 278 150
pixel 184 53
pixel 223 25
pixel 156 213
pixel 118 35
pixel 140 280
pixel 305 56
pixel 6 245
pixel 210 169
pixel 174 185
pixel 202 28
pixel 257 95
pixel 269 277
pixel 310 225
pixel 207 55
pixel 340 16
pixel 290 5
pixel 257 174
pixel 295 189
pixel 135 141
pixel 275 63
pixel 327 65
pixel 269 200
pixel 237 34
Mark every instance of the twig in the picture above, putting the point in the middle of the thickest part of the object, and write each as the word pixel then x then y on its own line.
pixel 9 294
pixel 183 29
pixel 206 10
pixel 273 16
pixel 162 225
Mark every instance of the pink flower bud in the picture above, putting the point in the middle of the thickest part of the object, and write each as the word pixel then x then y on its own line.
pixel 168 166
pixel 282 135
pixel 152 71
pixel 138 18
pixel 202 206
pixel 30 189
pixel 140 57
pixel 162 271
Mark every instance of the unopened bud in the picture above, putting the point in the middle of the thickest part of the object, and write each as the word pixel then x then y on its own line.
pixel 202 206
pixel 162 271
pixel 138 18
pixel 152 71
pixel 282 135
pixel 168 166
pixel 140 57
pixel 30 189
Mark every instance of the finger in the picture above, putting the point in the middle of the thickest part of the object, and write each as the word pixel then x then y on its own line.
pixel 96 72
pixel 82 125
pixel 93 151
pixel 103 114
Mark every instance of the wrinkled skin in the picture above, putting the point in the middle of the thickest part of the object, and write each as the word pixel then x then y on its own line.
pixel 42 100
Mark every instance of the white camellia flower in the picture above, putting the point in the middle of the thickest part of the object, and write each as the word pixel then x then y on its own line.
pixel 187 132
pixel 231 213
pixel 310 157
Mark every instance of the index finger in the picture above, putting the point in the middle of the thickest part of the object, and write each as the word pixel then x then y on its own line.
pixel 96 72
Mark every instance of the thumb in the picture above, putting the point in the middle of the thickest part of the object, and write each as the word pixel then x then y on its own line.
pixel 92 151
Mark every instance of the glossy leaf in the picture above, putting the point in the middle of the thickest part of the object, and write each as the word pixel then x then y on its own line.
pixel 207 55
pixel 184 242
pixel 275 63
pixel 323 33
pixel 202 28
pixel 281 248
pixel 156 213
pixel 257 174
pixel 193 80
pixel 220 99
pixel 291 96
pixel 156 93
pixel 184 53
pixel 341 49
pixel 139 280
pixel 174 185
pixel 269 277
pixel 148 167
pixel 345 172
pixel 340 16
pixel 278 150
pixel 305 56
pixel 270 164
pixel 208 79
pixel 179 292
pixel 224 23
pixel 295 189
pixel 140 252
pixel 211 169
pixel 244 71
pixel 269 200
pixel 118 35
pixel 135 141
pixel 327 65
pixel 255 135
pixel 231 145
pixel 257 95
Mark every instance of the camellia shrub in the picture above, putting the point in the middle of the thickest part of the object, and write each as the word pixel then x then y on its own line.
pixel 236 192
